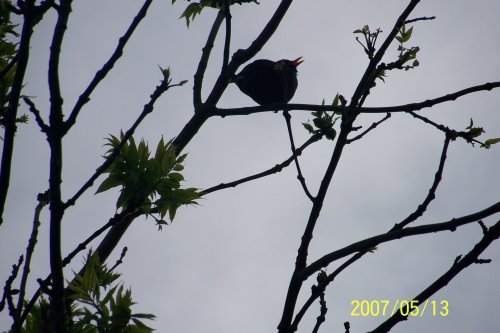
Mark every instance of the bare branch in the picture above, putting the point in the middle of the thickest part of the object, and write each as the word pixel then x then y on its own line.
pixel 372 127
pixel 202 65
pixel 31 15
pixel 432 191
pixel 227 39
pixel 300 176
pixel 148 108
pixel 368 243
pixel 39 120
pixel 106 68
pixel 54 136
pixel 42 202
pixel 423 18
pixel 491 235
pixel 277 168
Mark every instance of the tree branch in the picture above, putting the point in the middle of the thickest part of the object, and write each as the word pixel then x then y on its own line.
pixel 372 127
pixel 106 68
pixel 221 112
pixel 205 55
pixel 432 191
pixel 42 202
pixel 30 17
pixel 368 243
pixel 277 168
pixel 490 236
pixel 55 135
pixel 41 123
pixel 345 128
pixel 148 108
pixel 300 177
pixel 227 39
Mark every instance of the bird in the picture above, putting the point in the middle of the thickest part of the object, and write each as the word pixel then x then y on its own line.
pixel 269 82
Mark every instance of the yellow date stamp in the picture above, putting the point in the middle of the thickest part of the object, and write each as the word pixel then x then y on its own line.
pixel 385 307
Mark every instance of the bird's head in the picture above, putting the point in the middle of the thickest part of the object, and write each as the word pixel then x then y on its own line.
pixel 288 65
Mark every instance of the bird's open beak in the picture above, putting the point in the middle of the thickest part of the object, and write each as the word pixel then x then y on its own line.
pixel 297 61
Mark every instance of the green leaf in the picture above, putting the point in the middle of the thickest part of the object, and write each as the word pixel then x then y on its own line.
pixel 488 143
pixel 336 100
pixel 331 134
pixel 109 183
pixel 308 127
pixel 191 11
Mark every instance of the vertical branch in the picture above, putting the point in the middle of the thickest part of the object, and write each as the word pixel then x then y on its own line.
pixel 15 93
pixel 300 176
pixel 202 65
pixel 227 41
pixel 285 325
pixel 55 136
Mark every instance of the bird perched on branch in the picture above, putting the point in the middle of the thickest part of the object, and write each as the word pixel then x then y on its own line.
pixel 269 82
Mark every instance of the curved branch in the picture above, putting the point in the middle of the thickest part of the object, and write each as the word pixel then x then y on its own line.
pixel 367 243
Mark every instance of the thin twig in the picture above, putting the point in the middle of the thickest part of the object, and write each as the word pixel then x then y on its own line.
pixel 423 18
pixel 372 127
pixel 300 176
pixel 203 63
pixel 432 191
pixel 39 120
pixel 148 108
pixel 106 68
pixel 42 202
pixel 7 289
pixel 322 316
pixel 277 168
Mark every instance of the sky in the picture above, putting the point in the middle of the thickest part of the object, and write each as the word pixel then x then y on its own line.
pixel 224 265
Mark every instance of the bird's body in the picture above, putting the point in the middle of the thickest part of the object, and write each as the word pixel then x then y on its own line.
pixel 269 82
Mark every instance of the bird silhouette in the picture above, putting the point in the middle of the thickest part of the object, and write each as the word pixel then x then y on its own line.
pixel 269 82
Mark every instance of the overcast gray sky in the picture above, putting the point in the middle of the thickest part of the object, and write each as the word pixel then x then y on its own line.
pixel 224 266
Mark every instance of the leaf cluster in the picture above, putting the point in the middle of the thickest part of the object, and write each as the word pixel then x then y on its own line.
pixel 147 182
pixel 323 121
pixel 196 8
pixel 370 39
pixel 102 306
pixel 474 132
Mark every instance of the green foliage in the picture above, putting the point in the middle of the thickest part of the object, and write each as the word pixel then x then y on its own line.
pixel 102 306
pixel 406 54
pixel 324 121
pixel 196 8
pixel 147 182
pixel 99 305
